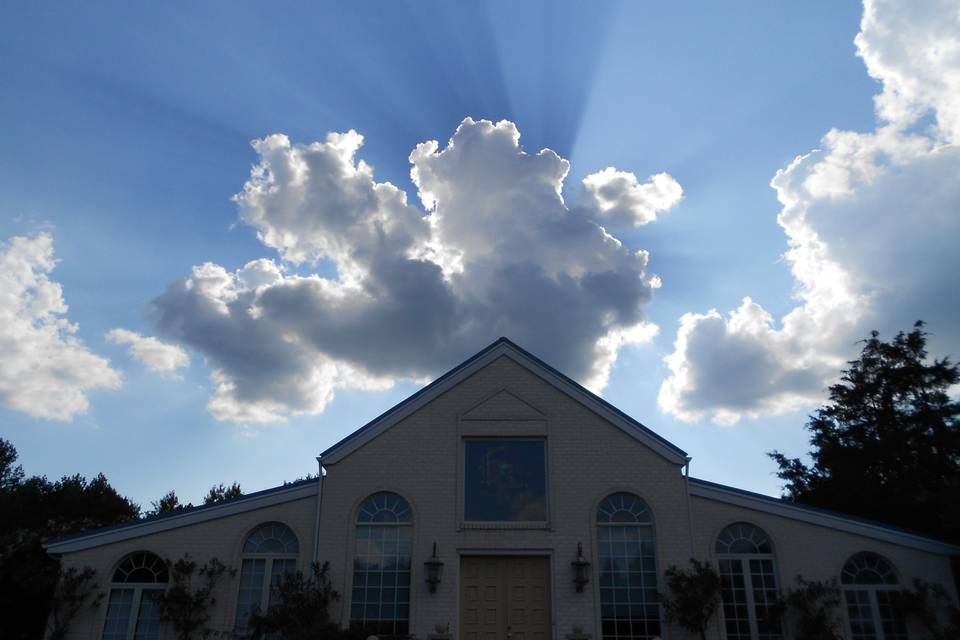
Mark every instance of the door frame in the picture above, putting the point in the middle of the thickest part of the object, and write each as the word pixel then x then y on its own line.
pixel 508 552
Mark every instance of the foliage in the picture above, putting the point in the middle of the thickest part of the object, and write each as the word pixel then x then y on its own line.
pixel 186 604
pixel 33 509
pixel 75 590
pixel 301 608
pixel 169 503
pixel 812 610
pixel 222 493
pixel 931 607
pixel 692 597
pixel 887 446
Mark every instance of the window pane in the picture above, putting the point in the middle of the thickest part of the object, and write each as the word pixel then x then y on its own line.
pixel 148 617
pixel 381 576
pixel 860 614
pixel 118 614
pixel 251 591
pixel 628 583
pixel 505 481
pixel 733 588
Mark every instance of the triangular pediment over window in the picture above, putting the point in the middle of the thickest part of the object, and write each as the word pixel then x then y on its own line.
pixel 503 405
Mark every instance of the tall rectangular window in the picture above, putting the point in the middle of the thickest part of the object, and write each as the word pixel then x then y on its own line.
pixel 505 480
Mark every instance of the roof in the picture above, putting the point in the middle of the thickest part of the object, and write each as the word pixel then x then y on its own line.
pixel 503 348
pixel 815 515
pixel 182 518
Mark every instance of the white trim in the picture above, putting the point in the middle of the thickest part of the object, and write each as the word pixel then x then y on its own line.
pixel 502 348
pixel 241 505
pixel 784 509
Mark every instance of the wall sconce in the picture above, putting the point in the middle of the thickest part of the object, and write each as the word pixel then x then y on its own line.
pixel 434 568
pixel 581 569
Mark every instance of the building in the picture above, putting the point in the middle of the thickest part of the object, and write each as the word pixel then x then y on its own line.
pixel 507 472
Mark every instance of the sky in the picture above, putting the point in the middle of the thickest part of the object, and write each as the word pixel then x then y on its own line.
pixel 233 233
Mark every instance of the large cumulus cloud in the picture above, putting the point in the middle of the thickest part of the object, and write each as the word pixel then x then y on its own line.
pixel 493 250
pixel 45 370
pixel 871 221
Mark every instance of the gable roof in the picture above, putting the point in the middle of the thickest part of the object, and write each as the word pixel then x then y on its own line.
pixel 815 515
pixel 190 515
pixel 503 348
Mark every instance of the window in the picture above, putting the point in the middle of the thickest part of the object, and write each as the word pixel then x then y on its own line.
pixel 269 552
pixel 505 481
pixel 380 601
pixel 628 569
pixel 748 583
pixel 869 581
pixel 132 612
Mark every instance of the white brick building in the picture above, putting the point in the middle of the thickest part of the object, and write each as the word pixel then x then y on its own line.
pixel 507 468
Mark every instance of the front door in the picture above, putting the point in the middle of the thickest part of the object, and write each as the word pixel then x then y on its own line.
pixel 504 598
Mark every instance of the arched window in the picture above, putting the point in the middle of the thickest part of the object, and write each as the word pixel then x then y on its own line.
pixel 269 552
pixel 869 581
pixel 380 601
pixel 132 612
pixel 748 583
pixel 628 569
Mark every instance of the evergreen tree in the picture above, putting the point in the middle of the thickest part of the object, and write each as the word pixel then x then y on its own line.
pixel 222 493
pixel 887 446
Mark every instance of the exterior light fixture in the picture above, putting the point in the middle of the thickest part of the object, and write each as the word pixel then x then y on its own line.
pixel 581 569
pixel 434 568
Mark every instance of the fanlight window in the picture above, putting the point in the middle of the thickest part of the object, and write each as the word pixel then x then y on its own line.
pixel 269 553
pixel 869 584
pixel 748 581
pixel 380 600
pixel 132 611
pixel 628 570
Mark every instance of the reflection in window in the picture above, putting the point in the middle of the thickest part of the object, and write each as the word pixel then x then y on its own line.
pixel 628 570
pixel 271 551
pixel 748 583
pixel 505 481
pixel 869 581
pixel 132 611
pixel 380 602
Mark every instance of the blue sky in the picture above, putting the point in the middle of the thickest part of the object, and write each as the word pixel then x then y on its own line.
pixel 127 132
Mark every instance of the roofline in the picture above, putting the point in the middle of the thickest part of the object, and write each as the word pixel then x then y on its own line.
pixel 502 347
pixel 192 515
pixel 821 517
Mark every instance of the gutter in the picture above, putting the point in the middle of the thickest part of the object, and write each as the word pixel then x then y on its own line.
pixel 686 485
pixel 316 525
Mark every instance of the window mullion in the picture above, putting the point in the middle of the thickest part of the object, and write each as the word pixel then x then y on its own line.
pixel 875 611
pixel 266 586
pixel 747 572
pixel 134 612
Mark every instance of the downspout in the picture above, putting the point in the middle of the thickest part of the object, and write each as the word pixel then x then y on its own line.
pixel 316 526
pixel 686 484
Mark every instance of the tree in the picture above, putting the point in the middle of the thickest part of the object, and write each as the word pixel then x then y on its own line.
pixel 301 608
pixel 75 590
pixel 887 446
pixel 692 597
pixel 187 602
pixel 221 493
pixel 812 610
pixel 169 503
pixel 33 509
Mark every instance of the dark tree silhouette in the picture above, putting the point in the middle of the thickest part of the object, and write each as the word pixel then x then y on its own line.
pixel 887 446
pixel 33 509
pixel 222 493
pixel 169 503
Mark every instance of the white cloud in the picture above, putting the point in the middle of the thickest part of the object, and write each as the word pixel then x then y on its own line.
pixel 493 251
pixel 619 197
pixel 153 354
pixel 871 222
pixel 45 371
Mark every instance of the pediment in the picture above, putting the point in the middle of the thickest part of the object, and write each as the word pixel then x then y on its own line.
pixel 503 405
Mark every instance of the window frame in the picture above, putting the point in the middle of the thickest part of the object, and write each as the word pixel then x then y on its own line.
pixel 503 524
pixel 138 589
pixel 743 562
pixel 409 524
pixel 267 584
pixel 872 591
pixel 650 525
